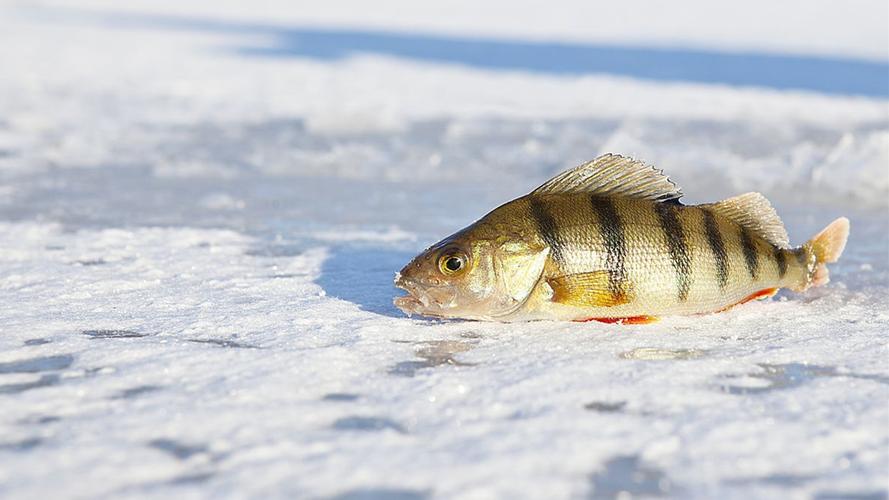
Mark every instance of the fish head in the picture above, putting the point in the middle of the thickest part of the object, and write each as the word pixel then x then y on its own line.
pixel 451 279
pixel 470 277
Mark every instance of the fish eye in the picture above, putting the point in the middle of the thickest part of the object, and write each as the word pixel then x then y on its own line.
pixel 451 263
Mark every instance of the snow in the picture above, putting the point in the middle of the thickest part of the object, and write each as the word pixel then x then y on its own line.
pixel 197 245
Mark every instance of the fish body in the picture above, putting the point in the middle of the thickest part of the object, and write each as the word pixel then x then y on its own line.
pixel 610 241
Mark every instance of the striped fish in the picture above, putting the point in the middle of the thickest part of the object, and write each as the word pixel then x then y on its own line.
pixel 610 241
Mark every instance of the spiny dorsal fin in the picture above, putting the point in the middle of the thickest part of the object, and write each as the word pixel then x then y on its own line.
pixel 614 175
pixel 754 212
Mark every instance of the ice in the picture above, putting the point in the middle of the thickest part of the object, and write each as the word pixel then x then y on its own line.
pixel 198 242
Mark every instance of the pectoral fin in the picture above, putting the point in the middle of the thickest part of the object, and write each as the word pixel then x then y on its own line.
pixel 519 268
pixel 593 289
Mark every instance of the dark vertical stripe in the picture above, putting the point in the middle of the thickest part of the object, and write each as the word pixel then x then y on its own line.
pixel 781 259
pixel 800 254
pixel 717 245
pixel 546 226
pixel 616 251
pixel 749 251
pixel 678 247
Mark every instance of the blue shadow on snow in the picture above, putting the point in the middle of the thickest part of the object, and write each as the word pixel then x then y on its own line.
pixel 364 276
pixel 830 75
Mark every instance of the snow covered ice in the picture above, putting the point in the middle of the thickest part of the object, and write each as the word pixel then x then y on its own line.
pixel 202 208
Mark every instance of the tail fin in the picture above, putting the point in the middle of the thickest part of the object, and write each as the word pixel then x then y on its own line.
pixel 827 246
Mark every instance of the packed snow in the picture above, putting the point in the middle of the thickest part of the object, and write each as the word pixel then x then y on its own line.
pixel 201 218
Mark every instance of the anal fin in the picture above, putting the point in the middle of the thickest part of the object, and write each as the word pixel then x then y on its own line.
pixel 632 320
pixel 760 295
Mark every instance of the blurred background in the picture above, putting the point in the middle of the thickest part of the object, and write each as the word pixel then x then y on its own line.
pixel 231 186
pixel 237 114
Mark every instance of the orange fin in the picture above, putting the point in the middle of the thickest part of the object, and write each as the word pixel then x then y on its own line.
pixel 632 320
pixel 827 246
pixel 591 289
pixel 760 295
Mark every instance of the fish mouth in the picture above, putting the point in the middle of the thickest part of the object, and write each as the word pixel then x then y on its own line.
pixel 421 299
pixel 414 302
pixel 409 305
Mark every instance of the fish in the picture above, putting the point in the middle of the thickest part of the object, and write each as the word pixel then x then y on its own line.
pixel 611 241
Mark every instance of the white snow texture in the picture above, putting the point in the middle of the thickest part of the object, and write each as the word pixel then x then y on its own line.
pixel 203 205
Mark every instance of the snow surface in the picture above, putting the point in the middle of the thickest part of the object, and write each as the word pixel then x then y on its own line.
pixel 199 226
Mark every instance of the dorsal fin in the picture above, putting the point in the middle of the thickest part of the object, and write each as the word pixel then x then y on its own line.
pixel 614 175
pixel 754 212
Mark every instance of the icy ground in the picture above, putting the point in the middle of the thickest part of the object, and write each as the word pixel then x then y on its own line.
pixel 202 209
